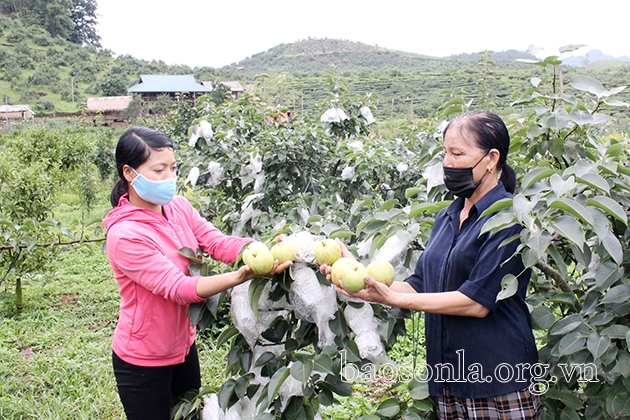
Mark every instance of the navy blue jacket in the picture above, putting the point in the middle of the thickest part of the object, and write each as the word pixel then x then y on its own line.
pixel 475 357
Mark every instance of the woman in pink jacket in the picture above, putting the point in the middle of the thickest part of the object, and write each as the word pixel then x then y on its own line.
pixel 154 353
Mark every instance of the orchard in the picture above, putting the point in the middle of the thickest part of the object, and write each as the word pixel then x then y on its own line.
pixel 333 175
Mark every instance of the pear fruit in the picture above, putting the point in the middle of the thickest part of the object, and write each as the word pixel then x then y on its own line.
pixel 327 251
pixel 337 269
pixel 283 251
pixel 258 257
pixel 381 271
pixel 353 276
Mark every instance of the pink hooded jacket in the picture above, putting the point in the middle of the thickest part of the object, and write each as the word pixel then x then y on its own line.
pixel 154 282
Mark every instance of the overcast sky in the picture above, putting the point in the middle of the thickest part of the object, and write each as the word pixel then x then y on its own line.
pixel 217 33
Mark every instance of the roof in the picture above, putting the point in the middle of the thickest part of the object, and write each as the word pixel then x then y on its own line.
pixel 15 108
pixel 152 83
pixel 108 103
pixel 234 85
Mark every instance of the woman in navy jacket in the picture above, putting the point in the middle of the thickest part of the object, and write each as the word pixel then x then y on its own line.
pixel 480 351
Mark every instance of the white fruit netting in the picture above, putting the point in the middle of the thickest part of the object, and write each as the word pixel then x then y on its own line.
pixel 311 301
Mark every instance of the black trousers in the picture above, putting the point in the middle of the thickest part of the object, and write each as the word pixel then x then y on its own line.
pixel 149 393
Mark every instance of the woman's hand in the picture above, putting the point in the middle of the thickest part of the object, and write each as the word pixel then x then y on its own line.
pixel 248 274
pixel 373 291
pixel 345 253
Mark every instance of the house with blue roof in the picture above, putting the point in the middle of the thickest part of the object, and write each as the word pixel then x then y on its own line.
pixel 151 86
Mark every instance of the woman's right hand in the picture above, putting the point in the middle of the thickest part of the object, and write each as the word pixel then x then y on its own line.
pixel 248 274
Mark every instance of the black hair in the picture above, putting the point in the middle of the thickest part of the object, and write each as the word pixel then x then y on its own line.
pixel 133 149
pixel 488 131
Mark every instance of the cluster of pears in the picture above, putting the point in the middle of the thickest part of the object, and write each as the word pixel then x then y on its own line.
pixel 260 258
pixel 343 270
pixel 351 273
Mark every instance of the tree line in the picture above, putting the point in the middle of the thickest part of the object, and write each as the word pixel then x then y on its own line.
pixel 72 20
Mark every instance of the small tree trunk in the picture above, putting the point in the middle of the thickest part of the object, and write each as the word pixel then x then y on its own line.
pixel 18 295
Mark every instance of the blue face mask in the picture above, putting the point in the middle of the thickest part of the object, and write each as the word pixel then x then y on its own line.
pixel 156 192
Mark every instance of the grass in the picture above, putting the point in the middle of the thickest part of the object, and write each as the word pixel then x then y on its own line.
pixel 55 357
pixel 56 354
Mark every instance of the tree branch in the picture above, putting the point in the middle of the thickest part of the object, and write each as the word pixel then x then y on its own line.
pixel 558 280
pixel 51 244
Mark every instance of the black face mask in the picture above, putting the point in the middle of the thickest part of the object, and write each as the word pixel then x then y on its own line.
pixel 461 181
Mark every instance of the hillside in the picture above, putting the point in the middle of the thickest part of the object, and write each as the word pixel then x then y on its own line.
pixel 313 55
pixel 398 83
pixel 316 55
pixel 54 76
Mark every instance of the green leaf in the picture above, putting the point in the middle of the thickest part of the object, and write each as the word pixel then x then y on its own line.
pixel 388 205
pixel 539 243
pixel 580 117
pixel 364 203
pixel 573 207
pixel 536 175
pixel 388 408
pixel 410 192
pixel 571 229
pixel 498 221
pixel 336 385
pixel 418 390
pixel 264 358
pixel 623 364
pixel 240 388
pixel 509 286
pixel 189 253
pixel 313 219
pixel 323 363
pixel 609 206
pixel 542 318
pixel 557 120
pixel 302 370
pixel 571 343
pixel 620 402
pixel 255 290
pixel 613 246
pixel 529 257
pixel 614 150
pixel 195 312
pixel 498 205
pixel 341 234
pixel 565 397
pixel 226 335
pixel 277 380
pixel 418 209
pixel 616 331
pixel 569 414
pixel 622 169
pixel 225 393
pixel 597 345
pixel 594 181
pixel 587 84
pixel 563 297
pixel 617 294
pixel 213 303
pixel 566 324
